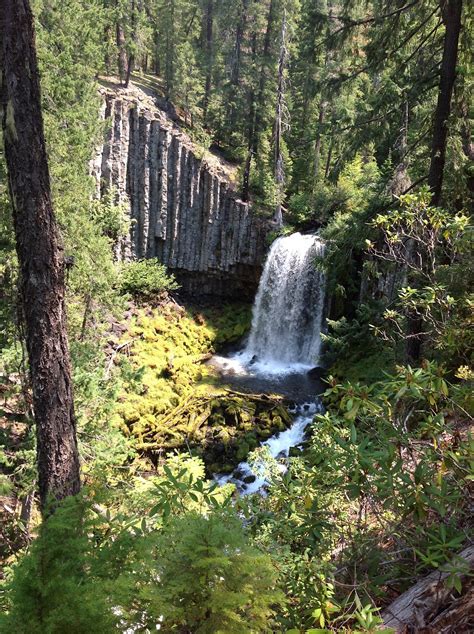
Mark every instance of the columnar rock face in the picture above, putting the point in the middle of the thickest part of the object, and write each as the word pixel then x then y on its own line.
pixel 182 208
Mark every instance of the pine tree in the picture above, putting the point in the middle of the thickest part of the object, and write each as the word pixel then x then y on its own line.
pixel 41 257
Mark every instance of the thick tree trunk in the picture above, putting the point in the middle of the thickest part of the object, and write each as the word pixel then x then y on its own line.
pixel 40 255
pixel 451 13
pixel 130 64
pixel 122 54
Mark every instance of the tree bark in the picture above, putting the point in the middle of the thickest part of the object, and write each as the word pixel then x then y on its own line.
pixel 278 125
pixel 251 127
pixel 170 52
pixel 40 255
pixel 259 106
pixel 327 169
pixel 451 13
pixel 209 46
pixel 130 63
pixel 122 54
pixel 420 607
pixel 236 62
pixel 131 57
pixel 317 144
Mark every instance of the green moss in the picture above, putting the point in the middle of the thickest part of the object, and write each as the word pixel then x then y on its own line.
pixel 176 402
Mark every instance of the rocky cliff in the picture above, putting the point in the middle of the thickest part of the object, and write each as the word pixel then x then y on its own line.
pixel 183 208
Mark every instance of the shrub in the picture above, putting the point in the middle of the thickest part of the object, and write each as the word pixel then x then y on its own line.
pixel 146 278
pixel 212 580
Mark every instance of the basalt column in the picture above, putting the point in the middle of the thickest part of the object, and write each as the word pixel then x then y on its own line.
pixel 182 210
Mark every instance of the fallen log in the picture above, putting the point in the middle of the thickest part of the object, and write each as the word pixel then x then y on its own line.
pixel 431 607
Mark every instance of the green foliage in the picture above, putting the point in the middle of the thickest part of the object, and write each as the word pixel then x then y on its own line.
pixel 134 573
pixel 212 580
pixel 73 130
pixel 109 217
pixel 434 246
pixel 44 592
pixel 8 265
pixel 146 279
pixel 380 477
pixel 358 192
pixel 351 348
pixel 377 497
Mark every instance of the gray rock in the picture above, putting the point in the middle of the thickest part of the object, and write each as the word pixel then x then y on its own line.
pixel 182 210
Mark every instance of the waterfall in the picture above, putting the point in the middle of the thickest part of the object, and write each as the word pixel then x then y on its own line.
pixel 284 342
pixel 288 309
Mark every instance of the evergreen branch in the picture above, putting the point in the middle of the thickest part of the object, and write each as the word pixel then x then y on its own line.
pixel 371 20
pixel 420 46
pixel 375 18
pixel 373 65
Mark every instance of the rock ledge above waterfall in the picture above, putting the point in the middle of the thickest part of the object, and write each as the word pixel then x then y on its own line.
pixel 183 206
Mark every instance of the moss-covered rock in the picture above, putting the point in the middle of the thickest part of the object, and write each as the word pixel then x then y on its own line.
pixel 172 400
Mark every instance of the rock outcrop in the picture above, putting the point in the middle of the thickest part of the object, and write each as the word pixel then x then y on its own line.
pixel 183 209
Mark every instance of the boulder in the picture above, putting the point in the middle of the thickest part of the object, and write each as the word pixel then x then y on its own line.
pixel 317 373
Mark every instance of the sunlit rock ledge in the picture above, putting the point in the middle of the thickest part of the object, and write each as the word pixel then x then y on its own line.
pixel 182 203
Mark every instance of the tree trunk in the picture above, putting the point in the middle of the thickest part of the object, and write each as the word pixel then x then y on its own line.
pixel 327 169
pixel 209 45
pixel 246 177
pixel 451 13
pixel 131 57
pixel 317 144
pixel 401 180
pixel 170 52
pixel 130 63
pixel 256 105
pixel 259 106
pixel 413 341
pixel 278 127
pixel 40 255
pixel 235 68
pixel 122 54
pixel 108 36
pixel 251 127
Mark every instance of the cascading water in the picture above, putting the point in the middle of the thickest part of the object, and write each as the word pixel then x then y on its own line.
pixel 286 325
pixel 285 339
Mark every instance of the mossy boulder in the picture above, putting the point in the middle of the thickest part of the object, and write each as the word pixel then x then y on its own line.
pixel 171 400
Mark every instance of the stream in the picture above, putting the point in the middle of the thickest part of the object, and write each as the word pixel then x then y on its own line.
pixel 282 348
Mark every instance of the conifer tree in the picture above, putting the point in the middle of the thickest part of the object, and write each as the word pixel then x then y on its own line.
pixel 41 257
